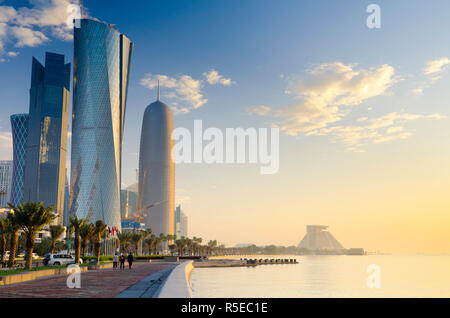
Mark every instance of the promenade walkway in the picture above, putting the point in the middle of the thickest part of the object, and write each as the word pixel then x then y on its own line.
pixel 103 283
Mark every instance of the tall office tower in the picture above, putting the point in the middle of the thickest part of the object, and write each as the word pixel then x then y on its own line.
pixel 6 167
pixel 45 162
pixel 177 222
pixel 157 169
pixel 19 128
pixel 102 58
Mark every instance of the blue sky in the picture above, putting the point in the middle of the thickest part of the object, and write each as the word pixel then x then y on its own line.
pixel 281 59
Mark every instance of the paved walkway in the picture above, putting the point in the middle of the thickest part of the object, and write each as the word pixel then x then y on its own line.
pixel 105 283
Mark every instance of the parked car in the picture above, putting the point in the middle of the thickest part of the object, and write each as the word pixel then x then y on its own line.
pixel 59 259
pixel 35 256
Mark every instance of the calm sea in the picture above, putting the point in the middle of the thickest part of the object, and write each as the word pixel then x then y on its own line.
pixel 330 276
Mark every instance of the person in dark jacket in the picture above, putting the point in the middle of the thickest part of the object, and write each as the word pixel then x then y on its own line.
pixel 130 260
pixel 122 261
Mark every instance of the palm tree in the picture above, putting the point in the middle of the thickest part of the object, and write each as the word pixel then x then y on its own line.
pixel 12 227
pixel 55 233
pixel 99 230
pixel 124 239
pixel 172 248
pixel 86 233
pixel 3 231
pixel 75 226
pixel 211 246
pixel 151 242
pixel 32 217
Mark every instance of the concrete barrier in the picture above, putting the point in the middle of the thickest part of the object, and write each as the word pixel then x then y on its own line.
pixel 177 285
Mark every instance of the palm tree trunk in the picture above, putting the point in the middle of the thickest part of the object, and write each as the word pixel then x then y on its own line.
pixel 77 248
pixel 83 247
pixel 30 247
pixel 52 247
pixel 12 249
pixel 97 248
pixel 3 248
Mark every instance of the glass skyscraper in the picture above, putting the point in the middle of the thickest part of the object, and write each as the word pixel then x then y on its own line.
pixel 102 58
pixel 6 167
pixel 19 128
pixel 45 162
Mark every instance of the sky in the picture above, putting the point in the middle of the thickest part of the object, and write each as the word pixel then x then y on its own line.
pixel 363 113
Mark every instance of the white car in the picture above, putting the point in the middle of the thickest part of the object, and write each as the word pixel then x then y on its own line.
pixel 59 259
pixel 35 256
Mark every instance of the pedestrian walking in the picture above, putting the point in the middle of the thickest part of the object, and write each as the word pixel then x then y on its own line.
pixel 115 260
pixel 130 260
pixel 122 261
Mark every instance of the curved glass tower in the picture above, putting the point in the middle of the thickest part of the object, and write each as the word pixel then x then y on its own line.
pixel 157 169
pixel 19 127
pixel 102 58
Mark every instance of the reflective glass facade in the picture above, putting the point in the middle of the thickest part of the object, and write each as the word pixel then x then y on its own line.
pixel 6 167
pixel 45 162
pixel 102 58
pixel 19 128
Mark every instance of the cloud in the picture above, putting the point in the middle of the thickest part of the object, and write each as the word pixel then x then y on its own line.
pixel 213 77
pixel 436 66
pixel 386 128
pixel 183 89
pixel 33 26
pixel 28 37
pixel 433 70
pixel 5 145
pixel 325 95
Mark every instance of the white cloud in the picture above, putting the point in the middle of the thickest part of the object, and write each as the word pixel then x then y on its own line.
pixel 326 94
pixel 213 77
pixel 28 37
pixel 32 26
pixel 436 66
pixel 183 89
pixel 5 145
pixel 386 128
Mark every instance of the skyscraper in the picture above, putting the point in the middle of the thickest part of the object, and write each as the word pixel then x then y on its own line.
pixel 45 162
pixel 181 223
pixel 102 58
pixel 6 167
pixel 157 169
pixel 19 128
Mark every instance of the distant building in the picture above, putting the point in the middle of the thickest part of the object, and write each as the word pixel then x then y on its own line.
pixel 45 162
pixel 317 239
pixel 132 226
pixel 181 223
pixel 19 129
pixel 6 167
pixel 128 203
pixel 184 225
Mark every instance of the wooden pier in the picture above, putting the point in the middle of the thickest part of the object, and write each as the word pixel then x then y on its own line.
pixel 242 262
